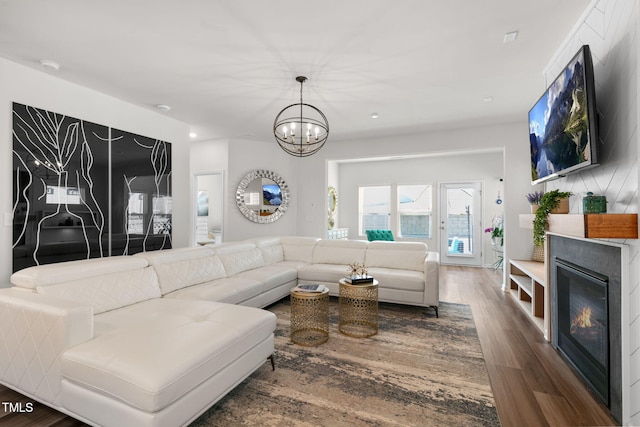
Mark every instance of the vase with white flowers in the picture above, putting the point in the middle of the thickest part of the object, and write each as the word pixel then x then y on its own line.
pixel 496 230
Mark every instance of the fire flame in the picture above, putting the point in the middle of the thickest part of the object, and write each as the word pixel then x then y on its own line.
pixel 583 320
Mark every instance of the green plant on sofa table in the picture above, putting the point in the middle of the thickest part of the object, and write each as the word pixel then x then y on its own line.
pixel 548 202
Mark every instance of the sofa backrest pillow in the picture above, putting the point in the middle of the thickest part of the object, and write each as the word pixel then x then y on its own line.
pixel 50 274
pixel 399 255
pixel 298 248
pixel 239 257
pixel 108 291
pixel 180 268
pixel 343 252
pixel 271 249
pixel 379 235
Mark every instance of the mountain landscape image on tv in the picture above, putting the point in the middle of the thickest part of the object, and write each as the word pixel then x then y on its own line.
pixel 562 127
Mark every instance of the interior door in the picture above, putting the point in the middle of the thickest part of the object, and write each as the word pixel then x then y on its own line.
pixel 460 223
pixel 209 207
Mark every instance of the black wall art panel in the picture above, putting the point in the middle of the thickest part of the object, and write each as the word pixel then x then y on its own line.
pixel 141 193
pixel 83 190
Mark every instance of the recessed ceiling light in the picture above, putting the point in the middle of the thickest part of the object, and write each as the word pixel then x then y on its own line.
pixel 193 135
pixel 163 107
pixel 510 37
pixel 51 65
pixel 488 99
pixel 374 115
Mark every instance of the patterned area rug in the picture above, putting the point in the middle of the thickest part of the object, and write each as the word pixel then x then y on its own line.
pixel 418 370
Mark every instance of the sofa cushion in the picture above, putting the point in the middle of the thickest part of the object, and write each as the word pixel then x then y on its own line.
pixel 240 257
pixel 168 348
pixel 298 248
pixel 331 273
pixel 232 290
pixel 379 235
pixel 271 249
pixel 44 275
pixel 391 278
pixel 108 291
pixel 179 268
pixel 271 276
pixel 398 255
pixel 293 264
pixel 342 252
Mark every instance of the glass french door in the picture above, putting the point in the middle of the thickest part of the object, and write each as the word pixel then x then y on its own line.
pixel 460 223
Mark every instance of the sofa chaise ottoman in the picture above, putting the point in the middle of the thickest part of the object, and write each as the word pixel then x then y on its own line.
pixel 95 339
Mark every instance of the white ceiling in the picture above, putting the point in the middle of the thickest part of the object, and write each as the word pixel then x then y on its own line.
pixel 228 67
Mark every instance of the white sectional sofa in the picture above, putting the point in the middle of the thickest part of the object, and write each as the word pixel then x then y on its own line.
pixel 156 338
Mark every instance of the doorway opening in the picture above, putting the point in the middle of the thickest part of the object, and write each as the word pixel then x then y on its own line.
pixel 209 207
pixel 460 223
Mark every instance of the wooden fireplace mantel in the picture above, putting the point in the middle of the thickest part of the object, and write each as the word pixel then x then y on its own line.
pixel 591 226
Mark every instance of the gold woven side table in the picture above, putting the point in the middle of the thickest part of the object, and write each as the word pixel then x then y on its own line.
pixel 358 309
pixel 309 317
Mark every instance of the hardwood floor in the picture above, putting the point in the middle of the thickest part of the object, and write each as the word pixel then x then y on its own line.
pixel 532 384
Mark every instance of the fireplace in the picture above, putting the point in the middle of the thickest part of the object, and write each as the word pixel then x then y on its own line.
pixel 583 323
pixel 585 278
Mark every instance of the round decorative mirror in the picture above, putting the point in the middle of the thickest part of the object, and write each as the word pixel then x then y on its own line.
pixel 262 196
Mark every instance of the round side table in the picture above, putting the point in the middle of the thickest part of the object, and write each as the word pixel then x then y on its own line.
pixel 309 317
pixel 358 309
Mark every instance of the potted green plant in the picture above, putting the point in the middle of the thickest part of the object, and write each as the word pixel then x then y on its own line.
pixel 548 202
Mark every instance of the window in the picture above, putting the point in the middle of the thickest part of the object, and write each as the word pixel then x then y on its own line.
pixel 375 208
pixel 64 195
pixel 136 211
pixel 414 211
pixel 409 216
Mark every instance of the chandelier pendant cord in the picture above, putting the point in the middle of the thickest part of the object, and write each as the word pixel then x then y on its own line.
pixel 301 84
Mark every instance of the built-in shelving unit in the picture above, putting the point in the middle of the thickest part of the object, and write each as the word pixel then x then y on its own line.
pixel 528 286
pixel 528 279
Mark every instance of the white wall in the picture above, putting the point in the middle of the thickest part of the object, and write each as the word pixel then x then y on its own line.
pixel 309 177
pixel 244 157
pixel 512 138
pixel 39 89
pixel 486 167
pixel 209 156
pixel 610 28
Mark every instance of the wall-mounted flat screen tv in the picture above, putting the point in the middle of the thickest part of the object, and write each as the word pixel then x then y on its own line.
pixel 563 124
pixel 271 194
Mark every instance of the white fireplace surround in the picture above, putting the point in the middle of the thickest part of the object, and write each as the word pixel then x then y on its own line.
pixel 625 309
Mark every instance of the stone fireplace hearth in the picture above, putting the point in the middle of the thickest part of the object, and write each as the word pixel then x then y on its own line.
pixel 585 308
